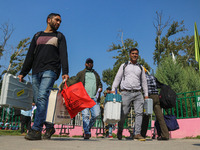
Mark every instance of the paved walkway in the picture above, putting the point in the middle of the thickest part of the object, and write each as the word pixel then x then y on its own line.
pixel 65 143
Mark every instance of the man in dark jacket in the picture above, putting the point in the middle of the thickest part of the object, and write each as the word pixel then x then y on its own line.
pixel 92 83
pixel 46 54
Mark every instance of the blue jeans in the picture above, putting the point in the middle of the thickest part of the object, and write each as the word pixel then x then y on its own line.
pixel 42 84
pixel 87 122
pixel 110 127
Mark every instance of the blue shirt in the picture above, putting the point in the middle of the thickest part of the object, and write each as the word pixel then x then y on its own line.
pixel 27 113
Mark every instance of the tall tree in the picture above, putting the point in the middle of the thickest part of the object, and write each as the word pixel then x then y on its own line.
pixel 172 43
pixel 6 31
pixel 171 73
pixel 166 44
pixel 17 58
pixel 186 53
pixel 179 78
pixel 123 56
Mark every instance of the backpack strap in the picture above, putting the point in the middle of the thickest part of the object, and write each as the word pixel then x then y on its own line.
pixel 141 73
pixel 125 64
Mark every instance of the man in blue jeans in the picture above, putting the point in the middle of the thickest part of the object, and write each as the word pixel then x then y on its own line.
pixel 46 54
pixel 92 83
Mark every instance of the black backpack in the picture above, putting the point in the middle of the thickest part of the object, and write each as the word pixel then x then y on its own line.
pixel 167 97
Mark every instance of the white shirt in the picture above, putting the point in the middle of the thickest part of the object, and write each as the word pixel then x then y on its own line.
pixel 131 78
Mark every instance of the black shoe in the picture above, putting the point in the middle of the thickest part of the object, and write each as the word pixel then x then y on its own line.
pixel 49 132
pixel 119 135
pixel 87 136
pixel 107 134
pixel 33 135
pixel 162 138
pixel 131 137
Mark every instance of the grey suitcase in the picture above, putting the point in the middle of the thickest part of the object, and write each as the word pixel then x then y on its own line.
pixel 16 94
pixel 148 106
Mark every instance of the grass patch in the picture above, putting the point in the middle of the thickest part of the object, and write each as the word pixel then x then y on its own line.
pixel 18 133
pixel 77 136
pixel 10 132
pixel 190 137
pixel 55 135
pixel 198 137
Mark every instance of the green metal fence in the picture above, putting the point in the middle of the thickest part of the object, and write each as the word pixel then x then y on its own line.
pixel 8 118
pixel 187 105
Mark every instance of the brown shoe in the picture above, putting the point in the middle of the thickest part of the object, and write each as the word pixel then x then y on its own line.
pixel 139 137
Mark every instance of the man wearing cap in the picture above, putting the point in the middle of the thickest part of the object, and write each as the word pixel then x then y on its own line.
pixel 92 83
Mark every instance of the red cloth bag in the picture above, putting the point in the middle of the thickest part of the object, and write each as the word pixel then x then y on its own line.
pixel 76 98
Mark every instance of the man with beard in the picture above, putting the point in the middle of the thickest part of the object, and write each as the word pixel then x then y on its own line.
pixel 92 83
pixel 46 54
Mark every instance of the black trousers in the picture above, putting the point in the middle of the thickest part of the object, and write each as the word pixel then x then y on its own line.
pixel 25 121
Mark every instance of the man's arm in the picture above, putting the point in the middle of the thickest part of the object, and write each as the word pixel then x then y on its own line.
pixel 144 84
pixel 27 66
pixel 63 57
pixel 118 78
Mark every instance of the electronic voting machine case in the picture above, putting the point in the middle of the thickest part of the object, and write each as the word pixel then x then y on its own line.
pixel 112 108
pixel 16 94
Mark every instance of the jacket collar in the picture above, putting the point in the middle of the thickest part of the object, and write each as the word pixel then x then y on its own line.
pixel 86 70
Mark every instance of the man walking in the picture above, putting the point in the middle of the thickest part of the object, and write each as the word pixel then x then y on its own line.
pixel 153 94
pixel 132 78
pixel 46 54
pixel 25 119
pixel 92 83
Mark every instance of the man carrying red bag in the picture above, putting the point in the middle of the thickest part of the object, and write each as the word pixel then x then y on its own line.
pixel 93 86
